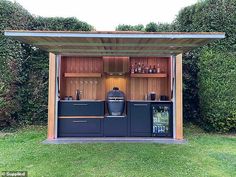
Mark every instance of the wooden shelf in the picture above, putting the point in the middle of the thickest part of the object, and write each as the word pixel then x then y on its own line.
pixel 83 75
pixel 149 75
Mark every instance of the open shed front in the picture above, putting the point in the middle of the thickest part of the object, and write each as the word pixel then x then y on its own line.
pixel 85 66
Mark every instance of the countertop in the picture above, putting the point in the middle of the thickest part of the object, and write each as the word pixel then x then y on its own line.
pixel 81 100
pixel 151 101
pixel 148 101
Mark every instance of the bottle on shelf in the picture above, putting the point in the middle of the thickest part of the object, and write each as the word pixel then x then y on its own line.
pixel 139 68
pixel 132 69
pixel 150 69
pixel 135 68
pixel 143 69
pixel 146 69
pixel 154 70
pixel 158 68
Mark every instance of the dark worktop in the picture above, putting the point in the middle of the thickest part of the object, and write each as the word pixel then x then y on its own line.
pixel 81 100
pixel 147 101
pixel 150 101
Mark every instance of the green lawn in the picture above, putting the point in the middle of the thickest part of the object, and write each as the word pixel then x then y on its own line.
pixel 204 155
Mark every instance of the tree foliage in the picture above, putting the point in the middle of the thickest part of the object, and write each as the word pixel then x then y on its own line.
pixel 208 70
pixel 124 27
pixel 217 90
pixel 150 27
pixel 24 69
pixel 12 16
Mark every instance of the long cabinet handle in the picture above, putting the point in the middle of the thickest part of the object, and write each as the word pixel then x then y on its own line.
pixel 140 104
pixel 80 104
pixel 80 121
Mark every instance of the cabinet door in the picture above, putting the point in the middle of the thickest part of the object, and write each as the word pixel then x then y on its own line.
pixel 80 108
pixel 79 127
pixel 140 119
pixel 115 126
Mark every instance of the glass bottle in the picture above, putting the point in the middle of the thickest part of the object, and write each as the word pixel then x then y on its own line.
pixel 132 69
pixel 158 68
pixel 150 69
pixel 143 68
pixel 154 70
pixel 139 68
pixel 146 69
pixel 135 68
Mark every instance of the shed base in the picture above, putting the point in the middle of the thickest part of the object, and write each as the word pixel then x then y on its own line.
pixel 114 140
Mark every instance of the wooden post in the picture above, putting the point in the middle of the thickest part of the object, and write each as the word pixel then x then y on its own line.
pixel 52 96
pixel 179 99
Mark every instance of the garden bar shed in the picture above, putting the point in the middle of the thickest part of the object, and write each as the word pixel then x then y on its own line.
pixel 115 84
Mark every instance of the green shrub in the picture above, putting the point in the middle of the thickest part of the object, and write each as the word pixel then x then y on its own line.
pixel 12 16
pixel 124 27
pixel 24 69
pixel 60 24
pixel 207 15
pixel 217 90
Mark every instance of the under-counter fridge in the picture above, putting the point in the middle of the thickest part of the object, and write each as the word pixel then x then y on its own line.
pixel 162 119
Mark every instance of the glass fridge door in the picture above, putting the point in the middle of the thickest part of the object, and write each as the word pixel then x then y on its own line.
pixel 162 120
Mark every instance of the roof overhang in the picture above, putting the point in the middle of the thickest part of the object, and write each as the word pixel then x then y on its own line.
pixel 115 43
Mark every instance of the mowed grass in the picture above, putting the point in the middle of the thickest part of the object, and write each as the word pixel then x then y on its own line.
pixel 203 155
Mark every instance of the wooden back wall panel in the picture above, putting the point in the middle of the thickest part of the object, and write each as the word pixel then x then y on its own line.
pixel 139 87
pixel 92 88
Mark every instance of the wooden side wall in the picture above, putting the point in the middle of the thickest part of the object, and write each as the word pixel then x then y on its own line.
pixel 179 99
pixel 52 96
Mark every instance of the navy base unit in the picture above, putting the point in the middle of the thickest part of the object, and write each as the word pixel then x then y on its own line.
pixel 115 126
pixel 74 127
pixel 140 118
pixel 89 119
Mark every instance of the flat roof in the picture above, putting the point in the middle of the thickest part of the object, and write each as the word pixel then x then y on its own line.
pixel 115 43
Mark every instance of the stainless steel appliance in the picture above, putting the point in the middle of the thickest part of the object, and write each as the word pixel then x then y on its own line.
pixel 116 65
pixel 152 96
pixel 162 119
pixel 115 102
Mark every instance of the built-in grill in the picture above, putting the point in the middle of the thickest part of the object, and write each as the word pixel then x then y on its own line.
pixel 115 102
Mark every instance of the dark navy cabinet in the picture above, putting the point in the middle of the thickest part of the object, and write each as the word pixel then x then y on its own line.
pixel 71 127
pixel 80 108
pixel 115 126
pixel 80 127
pixel 140 119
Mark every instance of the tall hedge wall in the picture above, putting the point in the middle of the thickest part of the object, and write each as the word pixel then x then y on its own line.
pixel 24 69
pixel 12 16
pixel 209 72
pixel 217 90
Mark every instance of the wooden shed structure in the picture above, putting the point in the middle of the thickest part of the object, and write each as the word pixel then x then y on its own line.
pixel 146 68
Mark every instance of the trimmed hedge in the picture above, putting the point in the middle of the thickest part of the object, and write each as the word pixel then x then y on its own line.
pixel 208 102
pixel 150 27
pixel 24 69
pixel 217 90
pixel 12 16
